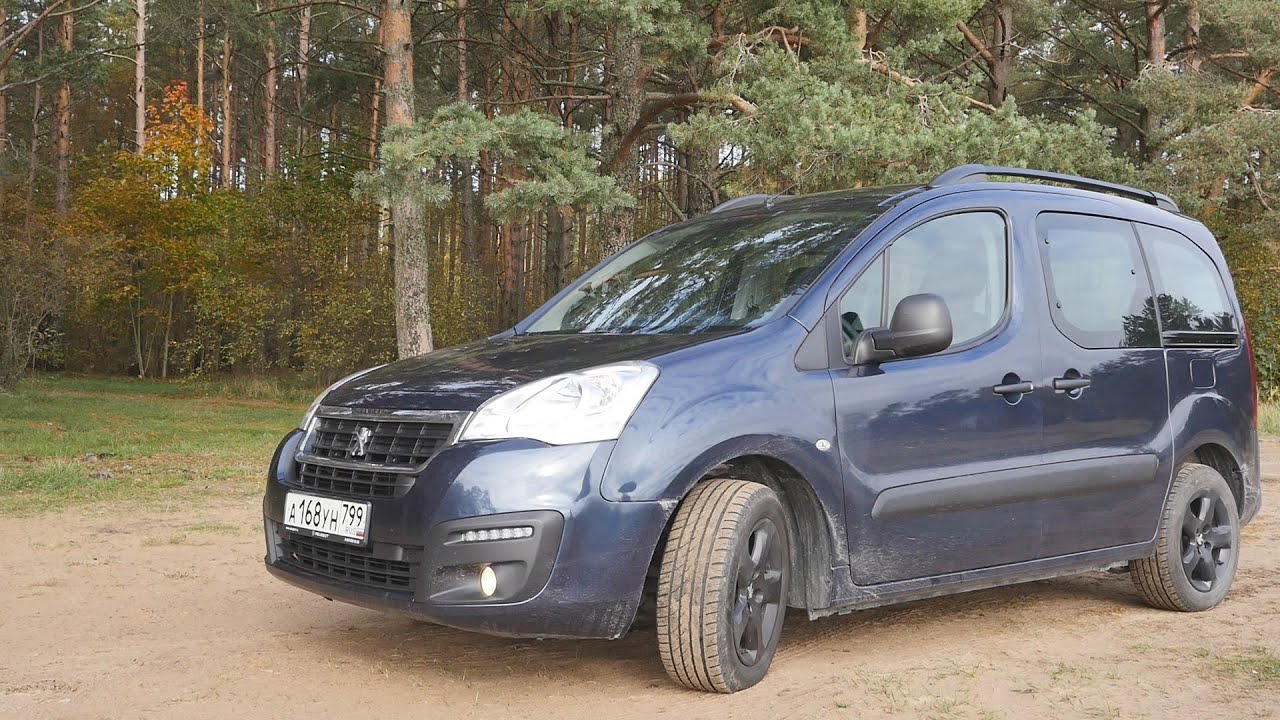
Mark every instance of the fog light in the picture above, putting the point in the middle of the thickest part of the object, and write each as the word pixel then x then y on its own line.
pixel 506 533
pixel 488 581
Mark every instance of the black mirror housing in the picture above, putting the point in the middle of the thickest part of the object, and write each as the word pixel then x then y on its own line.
pixel 921 325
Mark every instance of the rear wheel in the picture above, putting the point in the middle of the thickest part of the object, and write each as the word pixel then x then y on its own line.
pixel 1197 545
pixel 723 586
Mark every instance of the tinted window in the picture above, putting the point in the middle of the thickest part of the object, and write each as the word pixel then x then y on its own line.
pixel 1191 293
pixel 1098 289
pixel 862 306
pixel 963 258
pixel 721 273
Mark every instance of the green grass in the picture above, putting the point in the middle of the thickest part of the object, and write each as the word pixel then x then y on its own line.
pixel 1269 419
pixel 68 440
pixel 1258 663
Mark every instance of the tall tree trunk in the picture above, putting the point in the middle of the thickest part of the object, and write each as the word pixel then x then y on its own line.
pixel 378 240
pixel 1003 52
pixel 304 59
pixel 413 310
pixel 1155 31
pixel 140 76
pixel 488 232
pixel 62 118
pixel 463 95
pixel 375 122
pixel 507 300
pixel 559 250
pixel 1155 10
pixel 857 22
pixel 168 335
pixel 228 120
pixel 4 115
pixel 702 195
pixel 466 194
pixel 269 147
pixel 28 220
pixel 618 152
pixel 1192 34
pixel 200 58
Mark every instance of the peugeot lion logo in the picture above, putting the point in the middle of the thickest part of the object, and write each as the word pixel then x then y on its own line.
pixel 360 442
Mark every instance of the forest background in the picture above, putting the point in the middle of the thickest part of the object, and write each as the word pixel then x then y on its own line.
pixel 285 187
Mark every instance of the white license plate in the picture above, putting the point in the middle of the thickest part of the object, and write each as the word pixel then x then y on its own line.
pixel 327 518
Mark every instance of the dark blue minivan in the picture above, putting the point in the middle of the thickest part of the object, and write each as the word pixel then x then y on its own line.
pixel 826 402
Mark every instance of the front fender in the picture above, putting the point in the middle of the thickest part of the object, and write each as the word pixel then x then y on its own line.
pixel 744 396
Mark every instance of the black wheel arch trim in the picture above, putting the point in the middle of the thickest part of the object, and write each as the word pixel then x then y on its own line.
pixel 790 467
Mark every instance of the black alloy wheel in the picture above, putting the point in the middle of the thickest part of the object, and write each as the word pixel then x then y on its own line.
pixel 757 608
pixel 722 588
pixel 1197 544
pixel 1207 540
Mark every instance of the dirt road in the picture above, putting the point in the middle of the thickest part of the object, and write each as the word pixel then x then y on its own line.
pixel 112 613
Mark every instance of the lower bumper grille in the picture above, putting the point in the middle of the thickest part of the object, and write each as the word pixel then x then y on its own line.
pixel 347 563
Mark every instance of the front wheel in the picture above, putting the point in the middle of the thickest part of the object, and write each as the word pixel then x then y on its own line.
pixel 1197 546
pixel 723 586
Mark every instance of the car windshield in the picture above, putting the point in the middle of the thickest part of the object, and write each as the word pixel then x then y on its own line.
pixel 719 274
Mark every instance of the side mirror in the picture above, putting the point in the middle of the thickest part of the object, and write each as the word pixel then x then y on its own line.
pixel 921 325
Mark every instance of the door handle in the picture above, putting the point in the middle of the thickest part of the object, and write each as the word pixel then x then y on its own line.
pixel 1069 384
pixel 1018 388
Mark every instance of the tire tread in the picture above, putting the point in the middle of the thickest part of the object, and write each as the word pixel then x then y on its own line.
pixel 1153 576
pixel 693 567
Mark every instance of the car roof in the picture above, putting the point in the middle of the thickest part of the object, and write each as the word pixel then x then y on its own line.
pixel 964 176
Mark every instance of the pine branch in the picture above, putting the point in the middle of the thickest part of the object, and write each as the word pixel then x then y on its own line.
pixel 977 44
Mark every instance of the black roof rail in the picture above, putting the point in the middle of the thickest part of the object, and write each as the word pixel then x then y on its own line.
pixel 748 200
pixel 980 173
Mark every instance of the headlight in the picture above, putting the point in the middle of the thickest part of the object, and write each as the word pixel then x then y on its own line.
pixel 315 404
pixel 584 406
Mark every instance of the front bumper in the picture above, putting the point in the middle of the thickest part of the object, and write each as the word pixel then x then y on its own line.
pixel 580 574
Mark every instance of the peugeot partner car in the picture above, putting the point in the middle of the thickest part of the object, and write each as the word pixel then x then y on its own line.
pixel 828 402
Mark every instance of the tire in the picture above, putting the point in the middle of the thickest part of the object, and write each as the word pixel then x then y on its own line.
pixel 723 586
pixel 1197 546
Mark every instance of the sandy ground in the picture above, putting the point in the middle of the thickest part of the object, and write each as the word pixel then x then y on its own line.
pixel 167 614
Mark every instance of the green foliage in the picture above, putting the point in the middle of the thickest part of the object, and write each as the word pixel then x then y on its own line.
pixel 1269 420
pixel 1251 253
pixel 462 306
pixel 351 325
pixel 33 287
pixel 168 284
pixel 821 126
pixel 293 283
pixel 544 164
pixel 679 103
pixel 1252 24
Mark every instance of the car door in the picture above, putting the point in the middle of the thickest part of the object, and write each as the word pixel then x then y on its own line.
pixel 1106 402
pixel 940 452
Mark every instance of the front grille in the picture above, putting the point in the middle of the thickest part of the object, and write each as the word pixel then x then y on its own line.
pixel 395 449
pixel 391 442
pixel 349 481
pixel 347 563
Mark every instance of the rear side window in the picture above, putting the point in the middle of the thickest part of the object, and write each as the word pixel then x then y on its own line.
pixel 1099 294
pixel 1191 295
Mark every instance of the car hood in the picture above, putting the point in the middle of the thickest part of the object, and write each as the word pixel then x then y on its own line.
pixel 463 377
